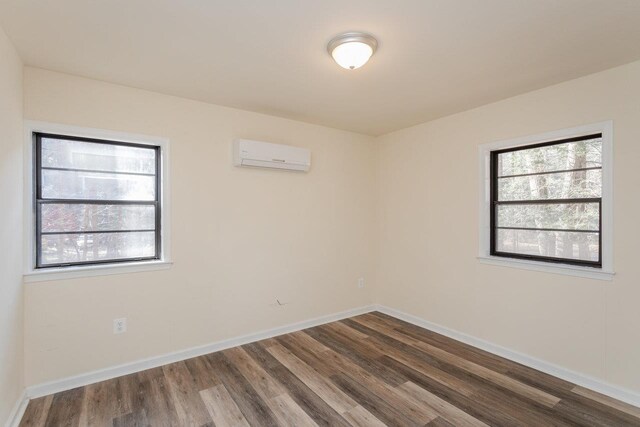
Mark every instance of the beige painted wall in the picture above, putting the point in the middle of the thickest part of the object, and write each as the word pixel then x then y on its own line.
pixel 11 331
pixel 428 207
pixel 240 237
pixel 401 211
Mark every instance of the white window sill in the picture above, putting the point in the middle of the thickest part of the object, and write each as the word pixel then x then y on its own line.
pixel 61 273
pixel 565 269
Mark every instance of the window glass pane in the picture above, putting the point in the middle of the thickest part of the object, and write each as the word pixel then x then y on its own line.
pixel 564 185
pixel 57 217
pixel 70 248
pixel 58 184
pixel 571 155
pixel 573 216
pixel 566 245
pixel 108 172
pixel 68 154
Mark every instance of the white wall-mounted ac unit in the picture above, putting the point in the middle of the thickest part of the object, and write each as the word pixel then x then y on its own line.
pixel 266 155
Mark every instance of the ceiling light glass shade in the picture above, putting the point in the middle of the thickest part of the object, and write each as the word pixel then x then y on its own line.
pixel 352 55
pixel 352 50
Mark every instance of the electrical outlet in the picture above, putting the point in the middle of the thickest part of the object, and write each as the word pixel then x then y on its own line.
pixel 120 325
pixel 361 283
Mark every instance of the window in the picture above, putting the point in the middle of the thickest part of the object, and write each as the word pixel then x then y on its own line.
pixel 547 201
pixel 96 201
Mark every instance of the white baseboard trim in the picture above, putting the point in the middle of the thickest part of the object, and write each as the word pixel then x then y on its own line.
pixel 620 393
pixel 15 416
pixel 63 384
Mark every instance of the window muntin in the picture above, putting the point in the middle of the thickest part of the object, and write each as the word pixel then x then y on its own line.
pixel 547 201
pixel 97 201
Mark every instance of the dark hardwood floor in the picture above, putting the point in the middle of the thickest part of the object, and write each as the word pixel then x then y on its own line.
pixel 370 370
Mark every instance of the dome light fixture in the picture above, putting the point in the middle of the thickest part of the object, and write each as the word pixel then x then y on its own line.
pixel 352 50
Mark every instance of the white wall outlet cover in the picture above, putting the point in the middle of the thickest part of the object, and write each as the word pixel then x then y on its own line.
pixel 120 325
pixel 361 282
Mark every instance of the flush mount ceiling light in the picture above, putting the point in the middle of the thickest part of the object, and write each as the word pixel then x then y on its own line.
pixel 352 50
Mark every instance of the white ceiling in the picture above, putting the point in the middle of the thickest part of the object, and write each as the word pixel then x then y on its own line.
pixel 436 57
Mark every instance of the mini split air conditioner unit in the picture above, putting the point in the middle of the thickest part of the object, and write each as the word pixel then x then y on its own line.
pixel 267 155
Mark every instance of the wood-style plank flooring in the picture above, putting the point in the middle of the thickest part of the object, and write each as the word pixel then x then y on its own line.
pixel 369 370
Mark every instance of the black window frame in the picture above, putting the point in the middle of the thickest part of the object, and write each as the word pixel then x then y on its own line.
pixel 494 203
pixel 38 201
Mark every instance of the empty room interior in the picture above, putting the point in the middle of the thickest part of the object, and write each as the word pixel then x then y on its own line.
pixel 320 213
